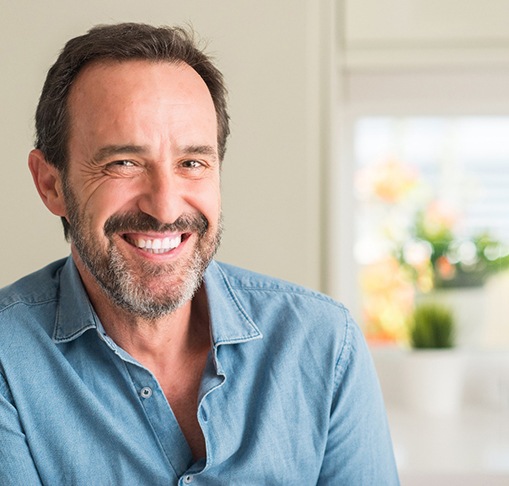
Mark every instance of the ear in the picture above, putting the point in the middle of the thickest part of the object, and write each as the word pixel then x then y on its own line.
pixel 48 181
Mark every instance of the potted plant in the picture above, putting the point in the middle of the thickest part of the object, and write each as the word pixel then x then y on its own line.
pixel 453 269
pixel 433 327
pixel 434 369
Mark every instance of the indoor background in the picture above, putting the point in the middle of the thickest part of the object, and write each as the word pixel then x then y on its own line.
pixel 309 81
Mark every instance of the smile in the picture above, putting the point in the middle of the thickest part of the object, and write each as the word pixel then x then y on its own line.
pixel 155 245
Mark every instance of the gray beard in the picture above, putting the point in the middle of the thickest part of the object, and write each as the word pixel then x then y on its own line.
pixel 120 283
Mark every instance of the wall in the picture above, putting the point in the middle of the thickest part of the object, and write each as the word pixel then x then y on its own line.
pixel 271 55
pixel 416 33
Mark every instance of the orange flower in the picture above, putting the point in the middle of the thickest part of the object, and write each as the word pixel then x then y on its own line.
pixel 445 268
pixel 439 218
pixel 388 297
pixel 389 181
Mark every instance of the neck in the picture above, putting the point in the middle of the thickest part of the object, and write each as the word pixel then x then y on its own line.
pixel 168 340
pixel 180 334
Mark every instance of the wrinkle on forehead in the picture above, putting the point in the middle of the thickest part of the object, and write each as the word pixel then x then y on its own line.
pixel 184 83
pixel 121 103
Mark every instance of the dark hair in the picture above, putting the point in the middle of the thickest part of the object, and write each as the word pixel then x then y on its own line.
pixel 119 42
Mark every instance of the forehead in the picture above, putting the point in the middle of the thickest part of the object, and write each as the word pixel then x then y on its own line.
pixel 121 79
pixel 134 97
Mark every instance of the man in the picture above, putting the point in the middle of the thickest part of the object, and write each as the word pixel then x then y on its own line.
pixel 139 360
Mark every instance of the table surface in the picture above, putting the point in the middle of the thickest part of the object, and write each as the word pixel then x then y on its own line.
pixel 467 447
pixel 471 442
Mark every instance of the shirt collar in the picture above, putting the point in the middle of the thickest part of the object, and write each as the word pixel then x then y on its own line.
pixel 75 314
pixel 230 323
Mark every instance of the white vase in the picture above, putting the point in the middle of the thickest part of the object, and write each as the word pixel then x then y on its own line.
pixel 433 381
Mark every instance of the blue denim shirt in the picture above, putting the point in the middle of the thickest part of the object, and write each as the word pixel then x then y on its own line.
pixel 288 396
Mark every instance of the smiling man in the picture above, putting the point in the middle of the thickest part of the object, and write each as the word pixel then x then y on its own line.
pixel 139 360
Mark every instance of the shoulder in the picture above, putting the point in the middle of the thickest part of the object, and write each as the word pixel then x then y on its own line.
pixel 249 282
pixel 301 327
pixel 27 313
pixel 35 289
pixel 282 308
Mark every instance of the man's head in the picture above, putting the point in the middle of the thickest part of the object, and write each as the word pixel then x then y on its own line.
pixel 130 142
pixel 120 43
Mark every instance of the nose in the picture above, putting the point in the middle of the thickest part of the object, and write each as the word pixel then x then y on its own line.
pixel 163 196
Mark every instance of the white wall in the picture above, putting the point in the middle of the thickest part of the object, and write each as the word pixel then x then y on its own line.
pixel 271 54
pixel 422 33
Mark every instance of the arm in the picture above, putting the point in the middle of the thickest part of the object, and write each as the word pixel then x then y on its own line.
pixel 359 448
pixel 16 464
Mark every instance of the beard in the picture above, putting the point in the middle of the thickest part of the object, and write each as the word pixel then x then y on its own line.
pixel 128 283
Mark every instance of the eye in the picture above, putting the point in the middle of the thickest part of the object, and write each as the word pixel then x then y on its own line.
pixel 122 167
pixel 122 163
pixel 192 164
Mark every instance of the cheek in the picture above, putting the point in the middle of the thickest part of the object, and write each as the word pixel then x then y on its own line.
pixel 106 202
pixel 208 202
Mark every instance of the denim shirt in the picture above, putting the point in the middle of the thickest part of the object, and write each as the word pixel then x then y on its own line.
pixel 289 395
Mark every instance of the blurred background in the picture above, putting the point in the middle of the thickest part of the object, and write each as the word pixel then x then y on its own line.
pixel 369 159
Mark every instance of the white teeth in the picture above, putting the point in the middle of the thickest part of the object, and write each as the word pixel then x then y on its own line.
pixel 158 245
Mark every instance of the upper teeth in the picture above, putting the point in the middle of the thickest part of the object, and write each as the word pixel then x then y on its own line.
pixel 158 245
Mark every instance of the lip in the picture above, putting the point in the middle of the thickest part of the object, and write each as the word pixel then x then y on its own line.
pixel 156 245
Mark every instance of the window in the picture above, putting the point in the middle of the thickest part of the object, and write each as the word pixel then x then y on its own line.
pixel 448 132
pixel 432 206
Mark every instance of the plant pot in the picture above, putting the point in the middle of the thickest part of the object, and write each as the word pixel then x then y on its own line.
pixel 433 381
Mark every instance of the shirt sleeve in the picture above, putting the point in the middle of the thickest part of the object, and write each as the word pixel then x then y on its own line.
pixel 17 467
pixel 359 448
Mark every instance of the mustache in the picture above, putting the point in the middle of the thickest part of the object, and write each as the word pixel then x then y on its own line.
pixel 142 222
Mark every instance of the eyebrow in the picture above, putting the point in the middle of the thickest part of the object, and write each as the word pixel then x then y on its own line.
pixel 199 150
pixel 109 150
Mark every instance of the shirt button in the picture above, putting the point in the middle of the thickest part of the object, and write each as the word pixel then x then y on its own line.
pixel 204 416
pixel 188 479
pixel 146 392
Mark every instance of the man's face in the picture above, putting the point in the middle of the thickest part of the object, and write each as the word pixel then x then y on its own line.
pixel 142 185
